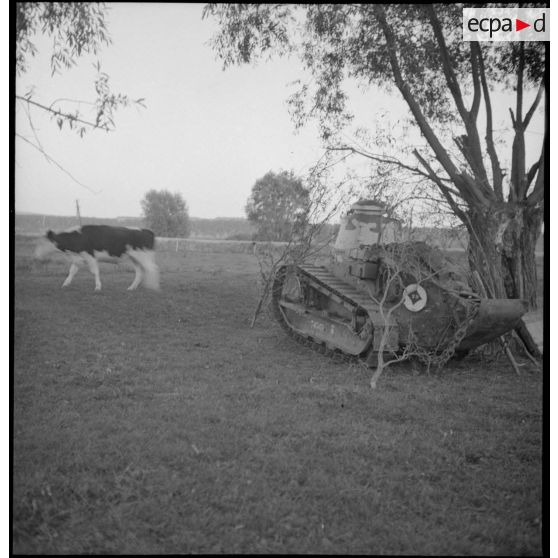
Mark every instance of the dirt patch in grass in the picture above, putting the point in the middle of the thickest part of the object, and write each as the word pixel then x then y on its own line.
pixel 161 423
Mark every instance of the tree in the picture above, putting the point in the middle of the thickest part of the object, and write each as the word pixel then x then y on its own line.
pixel 323 198
pixel 77 29
pixel 445 82
pixel 277 206
pixel 166 213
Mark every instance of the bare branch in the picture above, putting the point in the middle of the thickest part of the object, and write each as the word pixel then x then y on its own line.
pixel 497 174
pixel 472 141
pixel 451 79
pixel 402 85
pixel 397 264
pixel 537 195
pixel 474 236
pixel 461 143
pixel 329 166
pixel 532 172
pixel 32 126
pixel 381 159
pixel 478 189
pixel 66 100
pixel 512 118
pixel 519 96
pixel 518 181
pixel 51 160
pixel 475 70
pixel 443 188
pixel 533 107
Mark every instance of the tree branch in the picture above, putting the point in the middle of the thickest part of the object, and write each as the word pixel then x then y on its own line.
pixel 439 151
pixel 472 141
pixel 462 145
pixel 414 170
pixel 512 117
pixel 443 188
pixel 32 126
pixel 532 172
pixel 475 70
pixel 533 107
pixel 446 65
pixel 537 195
pixel 519 97
pixel 518 187
pixel 62 114
pixel 78 101
pixel 476 192
pixel 51 160
pixel 497 174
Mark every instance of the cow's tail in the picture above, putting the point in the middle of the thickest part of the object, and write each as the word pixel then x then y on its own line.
pixel 150 271
pixel 146 259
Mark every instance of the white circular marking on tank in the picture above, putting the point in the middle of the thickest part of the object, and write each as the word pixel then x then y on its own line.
pixel 414 297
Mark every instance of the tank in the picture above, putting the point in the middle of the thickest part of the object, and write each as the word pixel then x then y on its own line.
pixel 381 294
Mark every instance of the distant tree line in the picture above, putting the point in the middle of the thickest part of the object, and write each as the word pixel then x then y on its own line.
pixel 218 228
pixel 222 228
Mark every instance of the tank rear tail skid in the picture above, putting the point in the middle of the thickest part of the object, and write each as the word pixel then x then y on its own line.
pixel 495 316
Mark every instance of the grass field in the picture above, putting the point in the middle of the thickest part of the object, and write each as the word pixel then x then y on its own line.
pixel 159 423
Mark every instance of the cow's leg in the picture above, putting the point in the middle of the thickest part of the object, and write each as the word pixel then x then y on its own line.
pixel 94 268
pixel 73 270
pixel 138 277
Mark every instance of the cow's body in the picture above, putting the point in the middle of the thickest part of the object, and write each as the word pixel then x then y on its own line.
pixel 94 243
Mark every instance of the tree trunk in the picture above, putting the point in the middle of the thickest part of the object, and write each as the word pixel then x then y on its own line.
pixel 518 255
pixel 502 249
pixel 484 251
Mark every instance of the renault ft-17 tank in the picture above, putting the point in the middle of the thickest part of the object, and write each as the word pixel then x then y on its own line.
pixel 378 294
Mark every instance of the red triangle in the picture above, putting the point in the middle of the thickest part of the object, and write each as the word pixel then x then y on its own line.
pixel 519 25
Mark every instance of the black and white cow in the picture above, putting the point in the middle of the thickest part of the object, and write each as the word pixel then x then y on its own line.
pixel 103 243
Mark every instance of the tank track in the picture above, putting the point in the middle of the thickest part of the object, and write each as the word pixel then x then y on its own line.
pixel 324 281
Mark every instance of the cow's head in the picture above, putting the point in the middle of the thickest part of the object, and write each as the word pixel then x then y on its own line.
pixel 46 246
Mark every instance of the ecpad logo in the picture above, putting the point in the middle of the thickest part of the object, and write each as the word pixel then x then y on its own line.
pixel 506 24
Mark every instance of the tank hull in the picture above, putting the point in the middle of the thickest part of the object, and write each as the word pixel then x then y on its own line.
pixel 381 295
pixel 327 314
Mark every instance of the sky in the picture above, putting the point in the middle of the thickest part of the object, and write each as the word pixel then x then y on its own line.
pixel 206 133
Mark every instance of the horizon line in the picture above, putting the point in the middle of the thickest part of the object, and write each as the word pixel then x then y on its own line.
pixel 118 217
